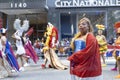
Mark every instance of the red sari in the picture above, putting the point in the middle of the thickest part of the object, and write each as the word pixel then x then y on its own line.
pixel 87 61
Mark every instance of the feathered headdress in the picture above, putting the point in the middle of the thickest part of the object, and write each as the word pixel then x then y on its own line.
pixel 24 27
pixel 21 28
pixel 49 24
pixel 100 26
pixel 17 24
pixel 117 26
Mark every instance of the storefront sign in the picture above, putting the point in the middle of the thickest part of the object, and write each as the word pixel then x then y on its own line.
pixel 86 3
pixel 18 5
pixel 23 4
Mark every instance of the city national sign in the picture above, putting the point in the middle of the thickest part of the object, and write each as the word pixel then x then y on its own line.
pixel 86 3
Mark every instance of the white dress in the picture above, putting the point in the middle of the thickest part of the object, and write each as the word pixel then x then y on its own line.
pixel 19 45
pixel 20 48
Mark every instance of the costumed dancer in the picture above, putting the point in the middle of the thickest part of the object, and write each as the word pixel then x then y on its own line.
pixel 7 58
pixel 4 72
pixel 102 42
pixel 29 48
pixel 116 52
pixel 49 49
pixel 85 61
pixel 18 36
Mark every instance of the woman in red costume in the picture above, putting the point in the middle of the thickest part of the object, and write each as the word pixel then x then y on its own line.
pixel 85 61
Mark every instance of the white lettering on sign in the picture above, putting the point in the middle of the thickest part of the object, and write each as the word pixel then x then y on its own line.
pixel 86 3
pixel 18 5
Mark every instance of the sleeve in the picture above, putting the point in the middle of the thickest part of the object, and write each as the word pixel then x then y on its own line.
pixel 16 36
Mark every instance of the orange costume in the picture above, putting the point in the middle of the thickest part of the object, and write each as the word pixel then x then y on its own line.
pixel 50 44
pixel 52 36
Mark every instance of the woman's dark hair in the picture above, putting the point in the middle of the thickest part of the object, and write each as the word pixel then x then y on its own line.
pixel 22 41
pixel 4 34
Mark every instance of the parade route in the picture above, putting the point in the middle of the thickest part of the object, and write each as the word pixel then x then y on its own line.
pixel 35 72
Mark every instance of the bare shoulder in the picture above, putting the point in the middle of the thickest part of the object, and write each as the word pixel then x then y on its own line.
pixel 3 39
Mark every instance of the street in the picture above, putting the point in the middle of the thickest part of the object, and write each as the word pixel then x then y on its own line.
pixel 35 72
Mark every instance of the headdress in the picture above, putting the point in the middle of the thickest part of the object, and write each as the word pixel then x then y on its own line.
pixel 117 26
pixel 21 28
pixel 100 26
pixel 3 30
pixel 49 24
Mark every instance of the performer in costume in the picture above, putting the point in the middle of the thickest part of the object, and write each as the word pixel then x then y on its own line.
pixel 85 61
pixel 116 52
pixel 102 42
pixel 4 72
pixel 28 47
pixel 50 45
pixel 18 35
pixel 9 61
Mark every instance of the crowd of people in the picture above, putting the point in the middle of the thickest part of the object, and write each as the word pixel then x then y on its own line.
pixel 84 50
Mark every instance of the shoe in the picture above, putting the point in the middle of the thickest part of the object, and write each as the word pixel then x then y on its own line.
pixel 22 69
pixel 104 65
pixel 65 68
pixel 49 66
pixel 13 71
pixel 114 69
pixel 117 77
pixel 43 66
pixel 26 64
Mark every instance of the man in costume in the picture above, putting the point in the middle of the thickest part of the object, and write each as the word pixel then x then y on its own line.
pixel 102 42
pixel 85 61
pixel 49 49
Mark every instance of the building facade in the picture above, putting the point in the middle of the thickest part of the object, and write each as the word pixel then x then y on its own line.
pixel 33 10
pixel 64 14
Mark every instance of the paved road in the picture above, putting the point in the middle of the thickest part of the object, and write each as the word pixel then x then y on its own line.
pixel 35 72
